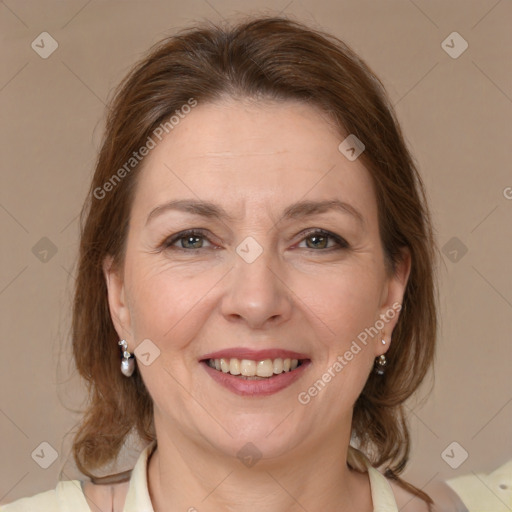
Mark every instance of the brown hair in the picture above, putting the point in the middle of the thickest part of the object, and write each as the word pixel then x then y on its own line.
pixel 280 59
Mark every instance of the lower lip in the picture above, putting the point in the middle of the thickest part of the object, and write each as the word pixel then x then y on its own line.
pixel 258 387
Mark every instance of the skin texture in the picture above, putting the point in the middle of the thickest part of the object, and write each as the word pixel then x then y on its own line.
pixel 103 498
pixel 254 159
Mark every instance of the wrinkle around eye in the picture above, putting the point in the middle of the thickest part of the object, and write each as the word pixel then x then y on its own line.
pixel 161 239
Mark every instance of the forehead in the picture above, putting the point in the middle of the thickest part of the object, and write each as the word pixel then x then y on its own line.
pixel 253 158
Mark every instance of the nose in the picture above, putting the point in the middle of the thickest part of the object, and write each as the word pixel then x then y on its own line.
pixel 257 293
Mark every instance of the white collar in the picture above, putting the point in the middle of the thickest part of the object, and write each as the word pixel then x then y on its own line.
pixel 138 499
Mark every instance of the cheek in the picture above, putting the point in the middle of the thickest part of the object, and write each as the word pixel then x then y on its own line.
pixel 347 304
pixel 166 303
pixel 345 300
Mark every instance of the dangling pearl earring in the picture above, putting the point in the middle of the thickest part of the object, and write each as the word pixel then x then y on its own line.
pixel 381 362
pixel 128 362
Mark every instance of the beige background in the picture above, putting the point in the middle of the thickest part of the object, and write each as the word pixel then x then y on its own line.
pixel 456 115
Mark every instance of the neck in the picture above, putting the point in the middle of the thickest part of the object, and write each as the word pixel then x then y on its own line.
pixel 183 476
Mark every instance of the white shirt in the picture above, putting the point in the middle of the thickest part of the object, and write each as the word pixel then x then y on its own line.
pixel 68 496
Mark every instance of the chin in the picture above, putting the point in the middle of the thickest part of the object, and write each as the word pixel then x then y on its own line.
pixel 264 439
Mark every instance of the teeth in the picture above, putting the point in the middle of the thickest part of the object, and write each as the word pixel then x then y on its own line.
pixel 248 368
pixel 224 365
pixel 234 367
pixel 265 368
pixel 278 366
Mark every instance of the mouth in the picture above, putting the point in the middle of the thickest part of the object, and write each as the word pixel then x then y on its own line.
pixel 255 373
pixel 250 369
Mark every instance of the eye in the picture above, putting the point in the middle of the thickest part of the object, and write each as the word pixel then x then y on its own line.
pixel 320 238
pixel 191 239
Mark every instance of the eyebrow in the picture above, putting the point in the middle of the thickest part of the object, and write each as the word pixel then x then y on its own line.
pixel 297 210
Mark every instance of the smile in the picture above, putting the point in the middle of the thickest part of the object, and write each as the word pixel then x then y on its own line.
pixel 252 369
pixel 255 373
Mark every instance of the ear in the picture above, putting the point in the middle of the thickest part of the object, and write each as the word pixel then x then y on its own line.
pixel 118 306
pixel 392 298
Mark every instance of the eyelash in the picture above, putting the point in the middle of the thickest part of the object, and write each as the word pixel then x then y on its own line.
pixel 168 242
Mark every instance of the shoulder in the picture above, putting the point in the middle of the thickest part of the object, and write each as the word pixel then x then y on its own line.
pixel 66 497
pixel 485 491
pixel 42 502
pixel 445 499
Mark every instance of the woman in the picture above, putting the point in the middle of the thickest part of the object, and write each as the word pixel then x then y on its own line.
pixel 258 236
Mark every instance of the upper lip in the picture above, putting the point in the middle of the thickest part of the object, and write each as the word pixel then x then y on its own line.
pixel 254 355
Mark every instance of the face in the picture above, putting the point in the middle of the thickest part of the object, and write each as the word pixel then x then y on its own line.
pixel 264 275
